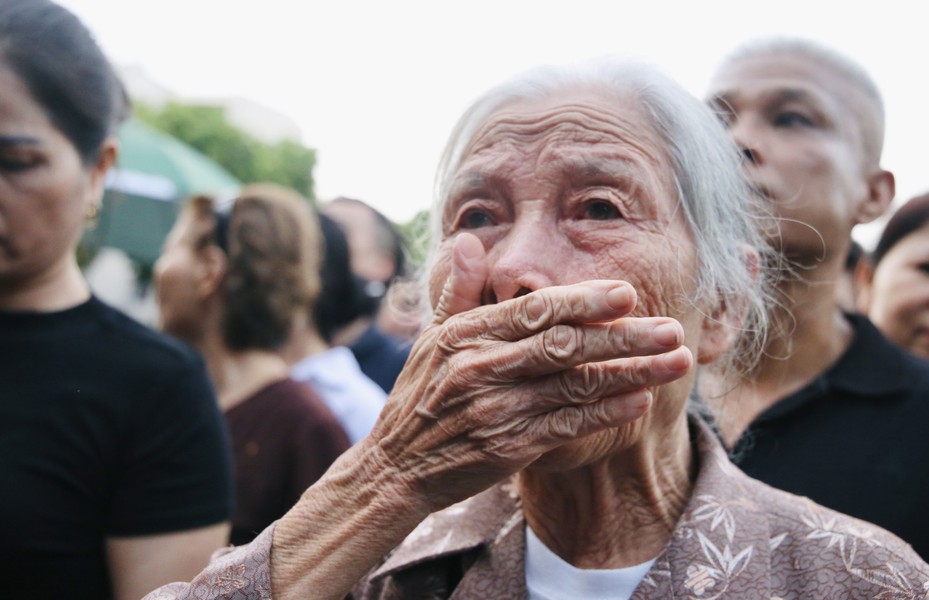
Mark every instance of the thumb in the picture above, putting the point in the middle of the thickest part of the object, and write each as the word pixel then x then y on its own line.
pixel 465 283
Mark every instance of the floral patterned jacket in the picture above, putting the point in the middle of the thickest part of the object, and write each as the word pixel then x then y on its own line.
pixel 737 539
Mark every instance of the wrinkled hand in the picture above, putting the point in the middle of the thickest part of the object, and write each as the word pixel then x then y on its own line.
pixel 489 389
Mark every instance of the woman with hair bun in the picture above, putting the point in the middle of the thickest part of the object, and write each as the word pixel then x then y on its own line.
pixel 232 280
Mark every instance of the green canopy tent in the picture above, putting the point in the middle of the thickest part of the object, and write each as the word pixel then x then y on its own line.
pixel 154 174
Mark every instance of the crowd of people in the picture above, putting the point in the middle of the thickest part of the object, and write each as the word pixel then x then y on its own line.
pixel 656 365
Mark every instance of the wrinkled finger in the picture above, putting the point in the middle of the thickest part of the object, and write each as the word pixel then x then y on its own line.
pixel 462 291
pixel 586 302
pixel 577 386
pixel 565 346
pixel 562 423
pixel 573 422
pixel 594 382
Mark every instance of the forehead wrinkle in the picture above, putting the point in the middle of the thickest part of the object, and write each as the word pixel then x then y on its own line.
pixel 569 145
pixel 481 170
pixel 585 123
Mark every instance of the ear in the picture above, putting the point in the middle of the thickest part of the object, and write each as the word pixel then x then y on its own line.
pixel 881 190
pixel 722 325
pixel 864 279
pixel 212 271
pixel 106 158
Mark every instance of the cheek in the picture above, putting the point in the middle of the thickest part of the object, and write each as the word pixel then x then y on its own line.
pixel 61 205
pixel 174 285
pixel 662 275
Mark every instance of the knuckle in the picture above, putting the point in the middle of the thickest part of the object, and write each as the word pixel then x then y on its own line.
pixel 640 371
pixel 451 335
pixel 458 374
pixel 581 383
pixel 534 312
pixel 623 336
pixel 593 415
pixel 563 424
pixel 561 342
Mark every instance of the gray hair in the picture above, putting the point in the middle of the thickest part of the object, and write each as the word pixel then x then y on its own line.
pixel 871 122
pixel 721 212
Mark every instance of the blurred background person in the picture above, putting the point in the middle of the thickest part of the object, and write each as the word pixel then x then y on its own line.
pixel 378 252
pixel 113 453
pixel 379 337
pixel 834 410
pixel 893 282
pixel 231 281
pixel 332 370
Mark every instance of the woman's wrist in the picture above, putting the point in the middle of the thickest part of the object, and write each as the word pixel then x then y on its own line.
pixel 343 525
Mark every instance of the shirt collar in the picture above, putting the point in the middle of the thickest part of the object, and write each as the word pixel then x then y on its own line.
pixel 475 522
pixel 489 518
pixel 872 365
pixel 335 363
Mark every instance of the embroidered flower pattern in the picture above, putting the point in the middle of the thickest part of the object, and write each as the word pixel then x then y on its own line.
pixel 233 579
pixel 720 567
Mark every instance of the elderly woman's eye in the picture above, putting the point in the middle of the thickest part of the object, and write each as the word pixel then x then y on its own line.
pixel 475 219
pixel 601 210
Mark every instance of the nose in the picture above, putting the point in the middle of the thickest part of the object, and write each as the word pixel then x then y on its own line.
pixel 745 136
pixel 523 262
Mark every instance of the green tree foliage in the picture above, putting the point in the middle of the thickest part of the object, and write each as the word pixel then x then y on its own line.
pixel 416 234
pixel 248 159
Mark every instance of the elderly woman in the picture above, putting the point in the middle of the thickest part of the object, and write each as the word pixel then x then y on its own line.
pixel 555 189
pixel 893 282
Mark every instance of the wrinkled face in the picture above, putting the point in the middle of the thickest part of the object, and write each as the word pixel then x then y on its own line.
pixel 569 189
pixel 179 286
pixel 45 188
pixel 900 293
pixel 800 121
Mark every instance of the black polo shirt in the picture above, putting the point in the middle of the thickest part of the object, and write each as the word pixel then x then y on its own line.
pixel 856 439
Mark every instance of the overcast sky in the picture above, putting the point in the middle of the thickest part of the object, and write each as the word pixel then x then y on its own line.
pixel 376 86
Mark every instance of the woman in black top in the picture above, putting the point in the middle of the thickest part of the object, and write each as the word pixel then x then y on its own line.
pixel 113 456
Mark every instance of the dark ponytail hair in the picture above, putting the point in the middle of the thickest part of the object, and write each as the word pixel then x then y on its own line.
pixel 910 217
pixel 65 70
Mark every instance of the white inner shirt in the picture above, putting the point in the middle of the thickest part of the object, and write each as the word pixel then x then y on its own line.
pixel 548 577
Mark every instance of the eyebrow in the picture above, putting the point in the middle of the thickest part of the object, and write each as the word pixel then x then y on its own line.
pixel 622 172
pixel 792 94
pixel 16 140
pixel 724 100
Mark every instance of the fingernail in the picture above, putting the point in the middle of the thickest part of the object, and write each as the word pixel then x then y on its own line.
pixel 677 360
pixel 643 401
pixel 620 297
pixel 668 334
